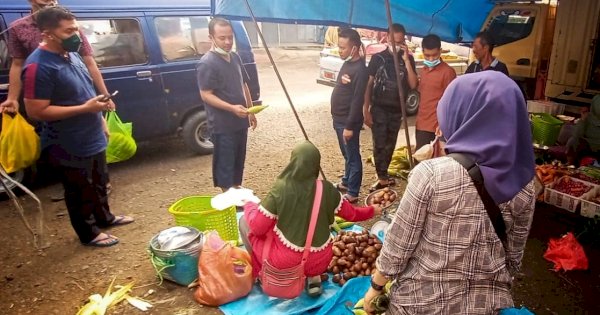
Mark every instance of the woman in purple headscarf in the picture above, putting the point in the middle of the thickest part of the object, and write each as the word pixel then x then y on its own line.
pixel 441 248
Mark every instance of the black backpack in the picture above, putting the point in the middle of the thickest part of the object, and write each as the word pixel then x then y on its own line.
pixel 385 88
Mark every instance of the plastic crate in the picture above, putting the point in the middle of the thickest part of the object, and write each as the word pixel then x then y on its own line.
pixel 551 108
pixel 545 129
pixel 566 201
pixel 196 211
pixel 590 209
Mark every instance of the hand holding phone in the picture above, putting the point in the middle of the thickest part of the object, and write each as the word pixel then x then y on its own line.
pixel 110 96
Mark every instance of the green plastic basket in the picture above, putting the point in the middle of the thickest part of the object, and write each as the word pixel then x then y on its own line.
pixel 546 129
pixel 196 211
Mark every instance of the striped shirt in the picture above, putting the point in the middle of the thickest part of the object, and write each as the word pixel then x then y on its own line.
pixel 441 247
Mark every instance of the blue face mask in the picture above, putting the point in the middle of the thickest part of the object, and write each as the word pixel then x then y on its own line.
pixel 431 64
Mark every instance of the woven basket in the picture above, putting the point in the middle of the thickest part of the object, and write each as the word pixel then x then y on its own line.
pixel 546 129
pixel 197 212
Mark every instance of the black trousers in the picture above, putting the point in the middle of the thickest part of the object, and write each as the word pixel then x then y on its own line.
pixel 84 180
pixel 386 125
pixel 229 156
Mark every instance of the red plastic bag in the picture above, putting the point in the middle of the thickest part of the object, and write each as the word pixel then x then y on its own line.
pixel 225 272
pixel 566 253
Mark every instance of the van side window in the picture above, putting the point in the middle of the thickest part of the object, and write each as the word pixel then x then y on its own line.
pixel 116 42
pixel 507 27
pixel 4 56
pixel 183 37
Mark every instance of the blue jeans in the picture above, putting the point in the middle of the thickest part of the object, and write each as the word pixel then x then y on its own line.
pixel 351 152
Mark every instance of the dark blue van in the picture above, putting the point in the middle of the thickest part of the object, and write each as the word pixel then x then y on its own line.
pixel 148 51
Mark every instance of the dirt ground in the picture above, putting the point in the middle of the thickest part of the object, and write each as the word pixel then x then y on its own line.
pixel 59 279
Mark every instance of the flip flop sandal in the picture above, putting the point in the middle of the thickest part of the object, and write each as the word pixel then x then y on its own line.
pixel 341 187
pixel 377 186
pixel 121 220
pixel 103 242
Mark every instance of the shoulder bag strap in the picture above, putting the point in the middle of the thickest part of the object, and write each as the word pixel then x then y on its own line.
pixel 491 207
pixel 313 220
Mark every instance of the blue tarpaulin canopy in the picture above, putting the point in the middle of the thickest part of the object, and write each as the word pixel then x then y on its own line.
pixel 453 20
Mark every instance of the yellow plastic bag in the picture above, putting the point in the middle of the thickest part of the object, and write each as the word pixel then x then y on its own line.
pixel 19 143
pixel 121 145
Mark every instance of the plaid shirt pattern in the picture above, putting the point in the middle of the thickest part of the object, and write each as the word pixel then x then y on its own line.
pixel 441 247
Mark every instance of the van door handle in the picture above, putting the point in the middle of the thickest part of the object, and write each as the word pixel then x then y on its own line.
pixel 4 87
pixel 144 74
pixel 524 62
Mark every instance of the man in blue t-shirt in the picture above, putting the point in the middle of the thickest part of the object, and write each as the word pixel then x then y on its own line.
pixel 58 90
pixel 222 80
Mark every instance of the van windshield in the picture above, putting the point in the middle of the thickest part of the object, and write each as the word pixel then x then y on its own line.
pixel 508 27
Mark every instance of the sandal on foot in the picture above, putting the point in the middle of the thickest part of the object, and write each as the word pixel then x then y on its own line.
pixel 121 220
pixel 341 187
pixel 351 199
pixel 314 288
pixel 377 186
pixel 107 241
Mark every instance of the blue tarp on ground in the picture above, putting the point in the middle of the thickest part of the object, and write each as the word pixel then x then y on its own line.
pixel 334 300
pixel 452 20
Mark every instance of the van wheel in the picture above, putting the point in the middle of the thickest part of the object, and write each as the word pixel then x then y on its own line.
pixel 196 134
pixel 18 176
pixel 412 102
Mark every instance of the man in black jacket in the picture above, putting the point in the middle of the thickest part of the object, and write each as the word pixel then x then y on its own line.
pixel 346 104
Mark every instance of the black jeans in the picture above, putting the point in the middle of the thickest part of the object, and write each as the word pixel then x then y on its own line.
pixel 386 125
pixel 84 180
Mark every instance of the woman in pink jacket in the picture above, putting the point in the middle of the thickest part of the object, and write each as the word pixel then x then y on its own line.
pixel 285 214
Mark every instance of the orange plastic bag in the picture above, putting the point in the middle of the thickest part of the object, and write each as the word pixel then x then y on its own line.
pixel 225 272
pixel 19 144
pixel 566 253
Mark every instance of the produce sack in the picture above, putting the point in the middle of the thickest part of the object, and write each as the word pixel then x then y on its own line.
pixel 428 151
pixel 224 272
pixel 121 145
pixel 566 253
pixel 19 144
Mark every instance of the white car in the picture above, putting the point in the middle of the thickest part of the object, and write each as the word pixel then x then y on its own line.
pixel 330 64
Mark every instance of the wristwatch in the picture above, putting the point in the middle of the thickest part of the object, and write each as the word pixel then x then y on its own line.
pixel 376 286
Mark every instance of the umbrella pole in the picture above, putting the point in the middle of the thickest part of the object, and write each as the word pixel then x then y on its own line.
pixel 287 95
pixel 398 80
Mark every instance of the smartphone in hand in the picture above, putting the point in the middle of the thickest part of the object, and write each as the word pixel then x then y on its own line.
pixel 106 98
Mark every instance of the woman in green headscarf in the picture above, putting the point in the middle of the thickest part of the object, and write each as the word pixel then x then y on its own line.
pixel 586 139
pixel 285 212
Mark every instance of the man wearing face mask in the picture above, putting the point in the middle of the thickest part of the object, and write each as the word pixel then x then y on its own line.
pixel 346 109
pixel 381 107
pixel 222 80
pixel 59 91
pixel 435 77
pixel 24 37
